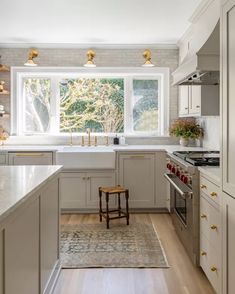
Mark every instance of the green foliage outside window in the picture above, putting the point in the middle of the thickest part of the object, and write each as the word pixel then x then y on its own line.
pixel 92 103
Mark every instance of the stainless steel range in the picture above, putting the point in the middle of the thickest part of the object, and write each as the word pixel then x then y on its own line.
pixel 183 177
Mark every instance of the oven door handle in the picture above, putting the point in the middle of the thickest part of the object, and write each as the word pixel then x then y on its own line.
pixel 184 191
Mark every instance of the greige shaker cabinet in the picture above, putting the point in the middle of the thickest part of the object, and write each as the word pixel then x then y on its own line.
pixel 228 143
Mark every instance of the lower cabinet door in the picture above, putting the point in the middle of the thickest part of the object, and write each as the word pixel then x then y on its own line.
pixel 73 190
pixel 137 173
pixel 1 262
pixel 22 252
pixel 96 180
pixel 49 227
pixel 228 244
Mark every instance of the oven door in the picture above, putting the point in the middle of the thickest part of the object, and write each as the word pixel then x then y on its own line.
pixel 181 195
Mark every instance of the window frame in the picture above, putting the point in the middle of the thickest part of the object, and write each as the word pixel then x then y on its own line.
pixel 58 73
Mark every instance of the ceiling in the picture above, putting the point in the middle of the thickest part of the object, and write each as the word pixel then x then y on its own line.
pixel 98 22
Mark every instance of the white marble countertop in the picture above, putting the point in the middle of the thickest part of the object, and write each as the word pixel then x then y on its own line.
pixel 213 172
pixel 18 183
pixel 54 148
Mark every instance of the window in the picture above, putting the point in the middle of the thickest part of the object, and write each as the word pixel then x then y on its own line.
pixel 129 101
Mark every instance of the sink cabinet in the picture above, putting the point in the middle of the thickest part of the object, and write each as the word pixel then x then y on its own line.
pixel 79 190
pixel 198 100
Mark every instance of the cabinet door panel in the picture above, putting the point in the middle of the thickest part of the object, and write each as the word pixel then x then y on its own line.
pixel 137 173
pixel 49 227
pixel 1 262
pixel 94 181
pixel 30 158
pixel 228 243
pixel 195 100
pixel 22 252
pixel 73 190
pixel 228 97
pixel 183 100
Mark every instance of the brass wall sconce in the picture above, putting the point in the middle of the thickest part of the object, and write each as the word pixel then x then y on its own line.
pixel 2 66
pixel 90 56
pixel 33 53
pixel 147 56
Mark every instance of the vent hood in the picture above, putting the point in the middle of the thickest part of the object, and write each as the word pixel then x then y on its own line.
pixel 203 66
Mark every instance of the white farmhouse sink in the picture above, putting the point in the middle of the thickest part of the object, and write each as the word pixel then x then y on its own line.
pixel 86 157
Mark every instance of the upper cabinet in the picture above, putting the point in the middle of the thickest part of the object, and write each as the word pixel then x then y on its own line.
pixel 198 100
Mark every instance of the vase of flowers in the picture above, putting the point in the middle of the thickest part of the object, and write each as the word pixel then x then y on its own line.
pixel 186 129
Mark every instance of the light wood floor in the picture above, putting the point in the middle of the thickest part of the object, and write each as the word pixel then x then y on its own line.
pixel 181 278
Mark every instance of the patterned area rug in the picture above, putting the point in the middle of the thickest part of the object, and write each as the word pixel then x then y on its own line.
pixel 92 245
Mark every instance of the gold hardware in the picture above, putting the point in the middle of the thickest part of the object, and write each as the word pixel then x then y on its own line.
pixel 33 53
pixel 71 138
pixel 137 156
pixel 203 186
pixel 213 269
pixel 90 57
pixel 213 194
pixel 83 143
pixel 3 67
pixel 203 253
pixel 213 227
pixel 29 154
pixel 203 216
pixel 186 108
pixel 89 137
pixel 198 106
pixel 107 140
pixel 147 56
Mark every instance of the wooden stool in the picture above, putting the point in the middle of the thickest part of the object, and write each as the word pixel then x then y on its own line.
pixel 113 191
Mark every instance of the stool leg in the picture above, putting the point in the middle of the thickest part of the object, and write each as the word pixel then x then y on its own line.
pixel 127 207
pixel 107 210
pixel 100 196
pixel 119 205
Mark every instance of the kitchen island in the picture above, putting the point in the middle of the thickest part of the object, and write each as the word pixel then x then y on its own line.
pixel 29 228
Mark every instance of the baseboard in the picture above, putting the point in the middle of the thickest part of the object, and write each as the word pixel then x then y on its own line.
pixel 132 210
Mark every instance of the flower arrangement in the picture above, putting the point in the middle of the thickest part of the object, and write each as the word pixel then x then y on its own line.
pixel 186 129
pixel 3 135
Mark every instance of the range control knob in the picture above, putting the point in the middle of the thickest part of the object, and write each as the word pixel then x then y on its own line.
pixel 185 180
pixel 173 169
pixel 182 177
pixel 178 172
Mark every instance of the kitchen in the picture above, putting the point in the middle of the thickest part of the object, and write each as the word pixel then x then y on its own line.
pixel 109 109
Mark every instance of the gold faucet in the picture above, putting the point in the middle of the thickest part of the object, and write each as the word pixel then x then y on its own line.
pixel 89 136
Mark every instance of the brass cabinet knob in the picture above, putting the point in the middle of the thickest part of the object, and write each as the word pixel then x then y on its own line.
pixel 213 269
pixel 203 186
pixel 213 194
pixel 213 227
pixel 203 215
pixel 203 253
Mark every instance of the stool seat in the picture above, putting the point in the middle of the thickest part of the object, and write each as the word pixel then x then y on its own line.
pixel 111 191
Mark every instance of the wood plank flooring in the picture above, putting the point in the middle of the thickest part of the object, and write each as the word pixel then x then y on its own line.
pixel 181 278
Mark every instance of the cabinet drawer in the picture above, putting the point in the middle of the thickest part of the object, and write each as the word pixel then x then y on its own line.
pixel 210 222
pixel 210 262
pixel 210 189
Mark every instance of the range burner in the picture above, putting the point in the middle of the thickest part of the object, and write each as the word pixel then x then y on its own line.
pixel 200 158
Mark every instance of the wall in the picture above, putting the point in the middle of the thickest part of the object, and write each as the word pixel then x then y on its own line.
pixel 211 126
pixel 104 57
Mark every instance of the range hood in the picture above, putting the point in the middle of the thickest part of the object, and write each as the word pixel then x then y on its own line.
pixel 201 67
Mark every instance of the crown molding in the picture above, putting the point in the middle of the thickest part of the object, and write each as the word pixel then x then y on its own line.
pixel 202 7
pixel 87 46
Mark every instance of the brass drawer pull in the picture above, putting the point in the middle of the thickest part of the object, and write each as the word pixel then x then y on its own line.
pixel 203 186
pixel 137 156
pixel 29 154
pixel 213 194
pixel 214 269
pixel 213 227
pixel 203 253
pixel 203 215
